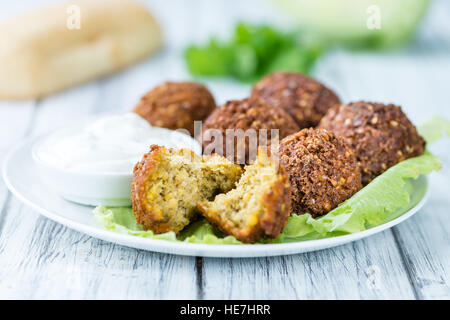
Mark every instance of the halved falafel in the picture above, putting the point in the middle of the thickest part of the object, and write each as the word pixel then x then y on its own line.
pixel 232 121
pixel 176 105
pixel 304 98
pixel 322 169
pixel 168 183
pixel 381 135
pixel 257 208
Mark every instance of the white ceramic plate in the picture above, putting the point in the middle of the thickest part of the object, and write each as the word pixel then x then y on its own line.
pixel 22 179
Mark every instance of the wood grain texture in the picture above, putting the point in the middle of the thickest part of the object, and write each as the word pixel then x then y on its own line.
pixel 52 261
pixel 409 262
pixel 40 259
pixel 15 121
pixel 424 240
pixel 367 269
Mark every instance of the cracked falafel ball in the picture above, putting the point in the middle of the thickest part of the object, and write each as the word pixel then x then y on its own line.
pixel 176 105
pixel 168 183
pixel 241 115
pixel 322 169
pixel 381 135
pixel 304 98
pixel 259 206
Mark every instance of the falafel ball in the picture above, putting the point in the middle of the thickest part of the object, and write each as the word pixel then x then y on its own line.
pixel 259 206
pixel 381 135
pixel 176 105
pixel 168 183
pixel 304 98
pixel 322 169
pixel 233 119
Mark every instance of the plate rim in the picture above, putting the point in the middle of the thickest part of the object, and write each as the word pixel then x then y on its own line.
pixel 200 249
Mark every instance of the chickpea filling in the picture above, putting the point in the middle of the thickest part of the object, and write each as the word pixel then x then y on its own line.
pixel 182 180
pixel 242 206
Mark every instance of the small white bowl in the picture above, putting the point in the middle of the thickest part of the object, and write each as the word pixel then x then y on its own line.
pixel 109 189
pixel 102 188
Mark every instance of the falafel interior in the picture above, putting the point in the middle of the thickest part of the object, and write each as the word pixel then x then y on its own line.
pixel 168 183
pixel 257 208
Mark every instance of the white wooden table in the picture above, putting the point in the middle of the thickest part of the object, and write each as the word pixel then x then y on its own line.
pixel 42 259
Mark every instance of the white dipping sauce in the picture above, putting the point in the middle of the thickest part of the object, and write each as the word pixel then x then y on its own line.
pixel 111 144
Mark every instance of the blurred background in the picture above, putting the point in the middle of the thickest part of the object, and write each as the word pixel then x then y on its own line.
pixel 390 51
pixel 379 50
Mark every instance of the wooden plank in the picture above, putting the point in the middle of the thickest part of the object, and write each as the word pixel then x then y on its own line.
pixel 346 272
pixel 367 269
pixel 52 261
pixel 421 90
pixel 15 119
pixel 42 259
pixel 424 240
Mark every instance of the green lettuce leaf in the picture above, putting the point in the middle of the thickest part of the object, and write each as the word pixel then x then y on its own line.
pixel 388 196
pixel 121 220
pixel 434 129
pixel 373 205
pixel 385 198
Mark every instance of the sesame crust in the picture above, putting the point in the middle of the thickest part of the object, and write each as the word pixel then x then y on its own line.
pixel 176 105
pixel 322 169
pixel 145 217
pixel 302 97
pixel 247 114
pixel 381 135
